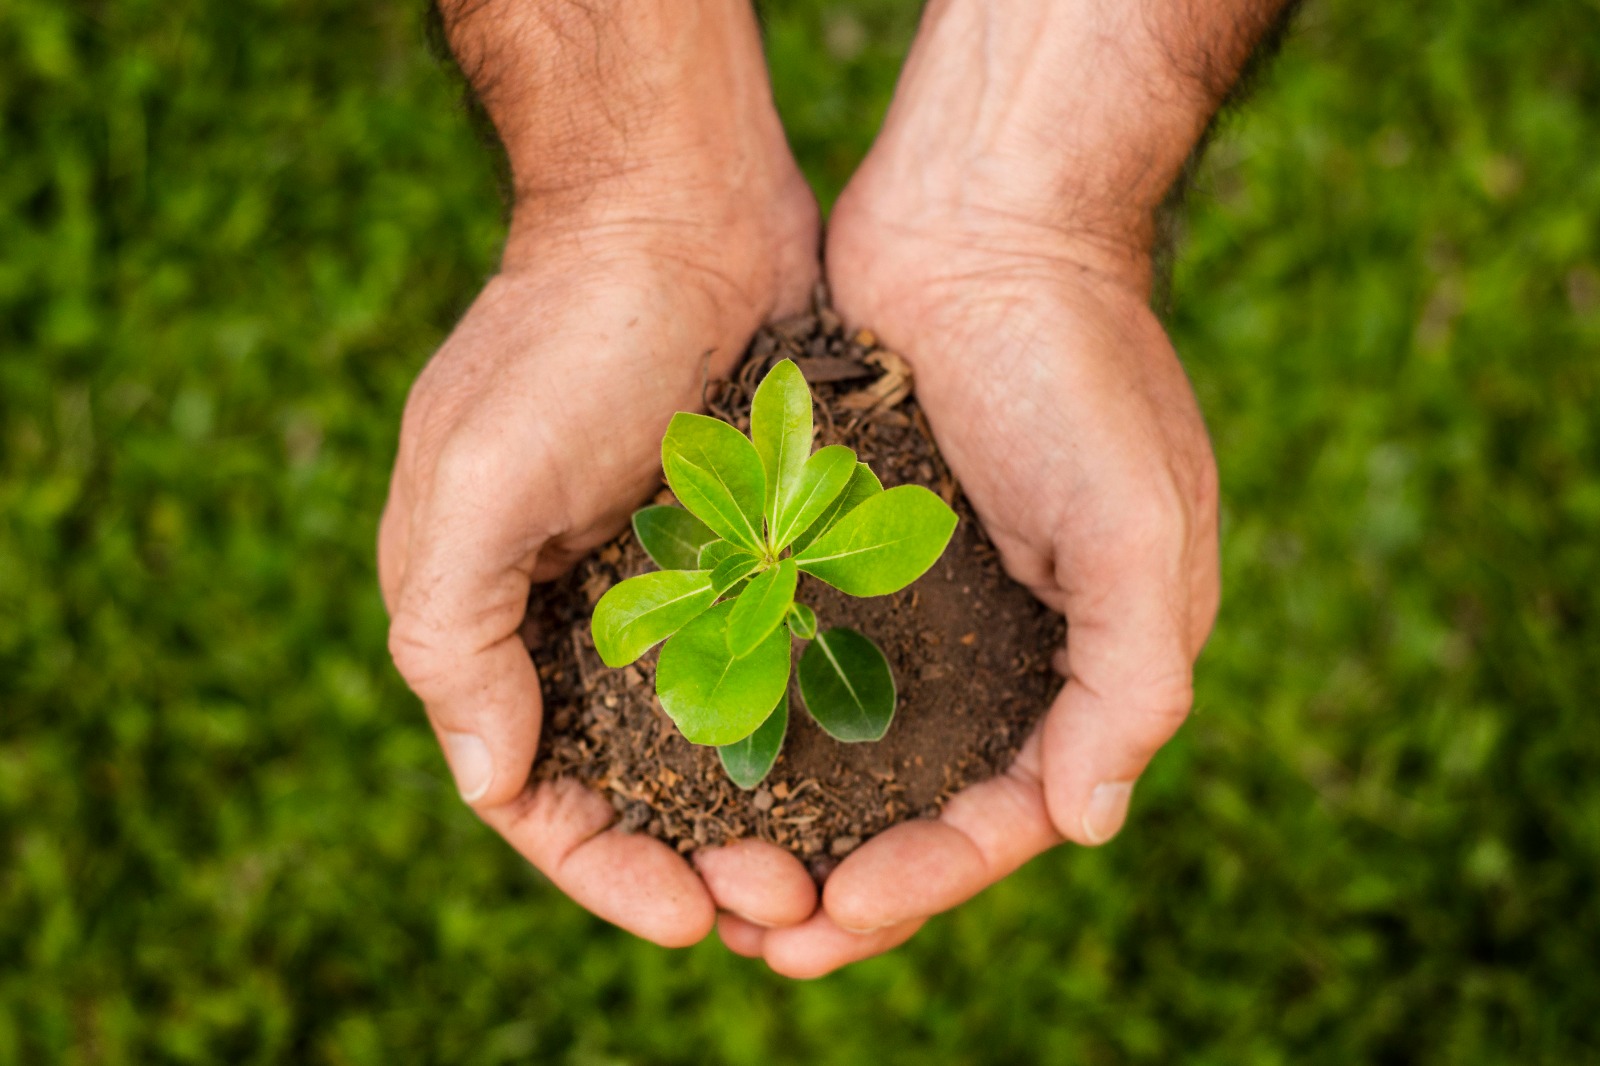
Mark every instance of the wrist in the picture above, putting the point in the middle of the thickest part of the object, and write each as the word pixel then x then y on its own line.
pixel 1073 117
pixel 729 259
pixel 637 103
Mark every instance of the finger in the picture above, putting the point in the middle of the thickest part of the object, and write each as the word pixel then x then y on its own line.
pixel 921 868
pixel 1206 582
pixel 393 529
pixel 631 880
pixel 739 936
pixel 1129 665
pixel 759 882
pixel 818 946
pixel 454 635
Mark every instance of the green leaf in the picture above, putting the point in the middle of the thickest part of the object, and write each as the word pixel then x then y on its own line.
pixel 847 685
pixel 802 621
pixel 863 485
pixel 761 607
pixel 748 761
pixel 713 697
pixel 883 545
pixel 732 570
pixel 715 472
pixel 821 482
pixel 672 537
pixel 642 611
pixel 716 553
pixel 780 427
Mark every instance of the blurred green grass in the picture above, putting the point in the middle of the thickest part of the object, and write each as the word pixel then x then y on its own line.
pixel 229 236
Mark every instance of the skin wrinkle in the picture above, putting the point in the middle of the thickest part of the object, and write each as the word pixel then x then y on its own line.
pixel 535 67
pixel 1120 78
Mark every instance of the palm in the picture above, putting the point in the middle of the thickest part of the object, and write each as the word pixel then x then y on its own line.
pixel 1062 410
pixel 526 442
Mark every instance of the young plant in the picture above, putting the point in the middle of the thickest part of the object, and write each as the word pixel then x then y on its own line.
pixel 758 512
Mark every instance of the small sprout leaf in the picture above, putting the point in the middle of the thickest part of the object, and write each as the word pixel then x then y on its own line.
pixel 715 472
pixel 716 553
pixel 822 480
pixel 847 685
pixel 748 761
pixel 761 607
pixel 802 621
pixel 780 426
pixel 672 537
pixel 636 614
pixel 863 484
pixel 884 544
pixel 732 570
pixel 713 697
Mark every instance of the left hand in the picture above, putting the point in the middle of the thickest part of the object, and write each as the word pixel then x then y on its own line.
pixel 1062 409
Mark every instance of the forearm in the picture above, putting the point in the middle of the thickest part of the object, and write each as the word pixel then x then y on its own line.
pixel 1073 114
pixel 617 105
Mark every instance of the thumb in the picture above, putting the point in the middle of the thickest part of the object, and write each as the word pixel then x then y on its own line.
pixel 1129 688
pixel 454 635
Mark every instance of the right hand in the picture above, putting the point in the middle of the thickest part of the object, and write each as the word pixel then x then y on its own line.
pixel 526 442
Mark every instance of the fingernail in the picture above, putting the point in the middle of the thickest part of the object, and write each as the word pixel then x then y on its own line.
pixel 1108 809
pixel 858 932
pixel 471 764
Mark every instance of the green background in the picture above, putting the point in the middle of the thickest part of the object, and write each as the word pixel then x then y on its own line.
pixel 230 234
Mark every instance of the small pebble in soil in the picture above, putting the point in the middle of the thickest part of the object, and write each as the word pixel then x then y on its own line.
pixel 843 846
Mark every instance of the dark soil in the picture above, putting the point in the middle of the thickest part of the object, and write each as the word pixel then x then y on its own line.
pixel 970 650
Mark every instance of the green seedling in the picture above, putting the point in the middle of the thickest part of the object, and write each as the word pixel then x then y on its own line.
pixel 758 512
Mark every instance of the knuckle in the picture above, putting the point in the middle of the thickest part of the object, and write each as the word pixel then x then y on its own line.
pixel 1165 703
pixel 468 464
pixel 418 652
pixel 1156 511
pixel 1148 525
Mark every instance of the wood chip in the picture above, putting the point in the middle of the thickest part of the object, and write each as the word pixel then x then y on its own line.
pixel 595 586
pixel 891 418
pixel 891 362
pixel 887 391
pixel 819 370
pixel 793 328
pixel 864 400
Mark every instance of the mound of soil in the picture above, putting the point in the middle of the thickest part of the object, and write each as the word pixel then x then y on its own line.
pixel 970 650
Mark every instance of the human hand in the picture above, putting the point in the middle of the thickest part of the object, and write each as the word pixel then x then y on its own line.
pixel 526 442
pixel 631 273
pixel 999 236
pixel 1067 419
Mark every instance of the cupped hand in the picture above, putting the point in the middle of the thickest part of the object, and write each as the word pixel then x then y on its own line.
pixel 525 443
pixel 1064 413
